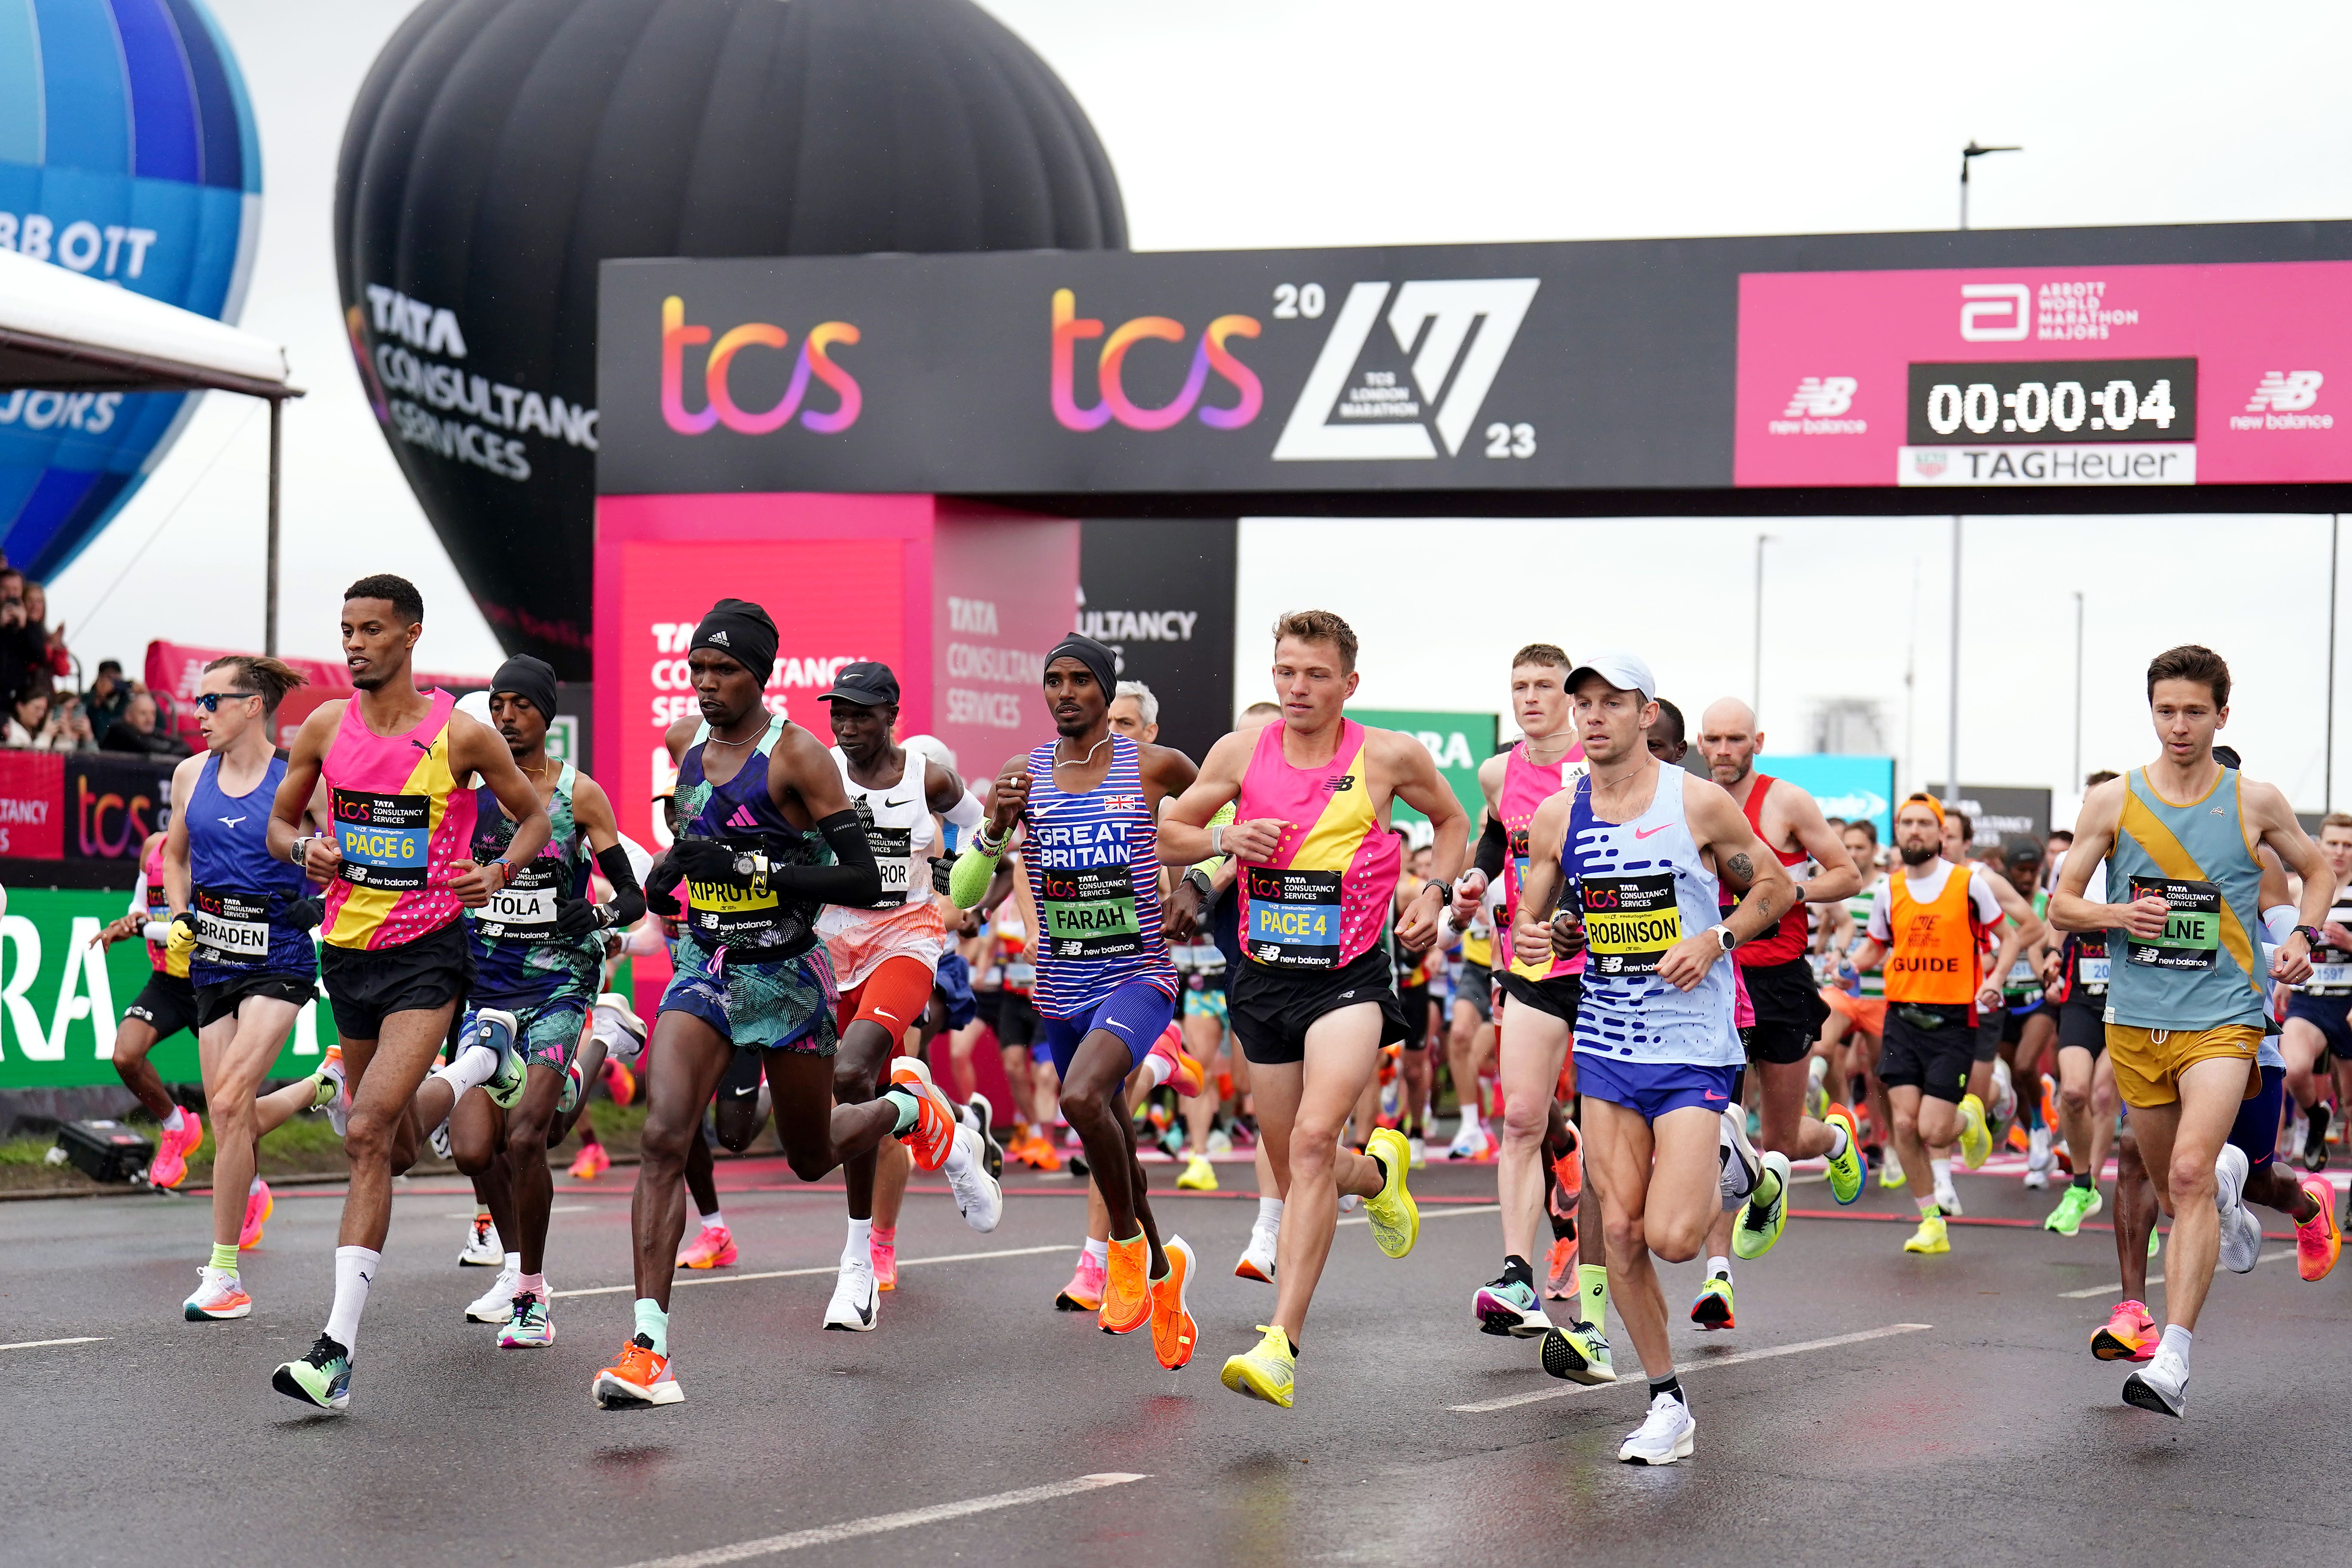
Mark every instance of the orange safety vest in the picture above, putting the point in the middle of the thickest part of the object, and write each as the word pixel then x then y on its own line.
pixel 1937 958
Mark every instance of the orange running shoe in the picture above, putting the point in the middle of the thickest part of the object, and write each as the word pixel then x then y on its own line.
pixel 257 1205
pixel 1559 1276
pixel 620 1082
pixel 2130 1335
pixel 714 1248
pixel 1568 1173
pixel 2318 1241
pixel 1127 1293
pixel 591 1162
pixel 1184 1074
pixel 639 1377
pixel 1084 1293
pixel 883 1247
pixel 1172 1328
pixel 1042 1156
pixel 169 1166
pixel 933 1133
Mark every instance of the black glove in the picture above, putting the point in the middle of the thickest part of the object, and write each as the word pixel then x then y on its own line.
pixel 576 917
pixel 705 860
pixel 661 895
pixel 305 913
pixel 942 869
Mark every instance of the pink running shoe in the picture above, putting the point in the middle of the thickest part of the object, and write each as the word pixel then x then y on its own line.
pixel 2318 1241
pixel 592 1163
pixel 884 1246
pixel 2130 1335
pixel 1084 1293
pixel 169 1166
pixel 257 1205
pixel 1184 1075
pixel 714 1248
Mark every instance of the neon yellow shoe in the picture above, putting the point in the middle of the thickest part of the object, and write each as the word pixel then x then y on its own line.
pixel 1765 1215
pixel 1849 1170
pixel 1269 1372
pixel 1931 1235
pixel 1890 1174
pixel 1396 1219
pixel 1199 1176
pixel 1975 1138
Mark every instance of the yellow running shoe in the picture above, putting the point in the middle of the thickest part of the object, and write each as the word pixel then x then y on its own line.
pixel 1890 1174
pixel 1975 1138
pixel 1269 1372
pixel 1396 1219
pixel 1199 1176
pixel 1931 1235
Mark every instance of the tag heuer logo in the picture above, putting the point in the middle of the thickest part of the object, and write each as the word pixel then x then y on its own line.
pixel 1929 464
pixel 1465 327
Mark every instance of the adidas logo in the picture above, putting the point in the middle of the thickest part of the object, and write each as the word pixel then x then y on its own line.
pixel 742 818
pixel 720 639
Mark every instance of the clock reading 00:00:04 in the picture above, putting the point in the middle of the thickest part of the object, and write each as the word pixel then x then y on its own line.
pixel 2054 400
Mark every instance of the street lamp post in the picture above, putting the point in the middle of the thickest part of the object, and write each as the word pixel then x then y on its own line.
pixel 2078 688
pixel 1969 154
pixel 1757 664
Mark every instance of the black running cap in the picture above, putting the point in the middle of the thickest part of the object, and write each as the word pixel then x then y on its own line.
pixel 532 679
pixel 742 631
pixel 867 683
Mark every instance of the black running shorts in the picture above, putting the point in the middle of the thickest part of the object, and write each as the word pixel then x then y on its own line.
pixel 1014 1020
pixel 1988 1041
pixel 1271 1009
pixel 1557 994
pixel 367 984
pixel 221 998
pixel 1789 1011
pixel 1476 986
pixel 2082 1023
pixel 166 1004
pixel 1935 1061
pixel 1414 1003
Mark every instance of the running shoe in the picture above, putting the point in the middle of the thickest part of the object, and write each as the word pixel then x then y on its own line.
pixel 980 1115
pixel 1666 1435
pixel 618 1025
pixel 500 1030
pixel 620 1082
pixel 1174 1332
pixel 1712 1307
pixel 2129 1334
pixel 639 1377
pixel 1084 1293
pixel 496 1304
pixel 591 1162
pixel 334 1095
pixel 1509 1310
pixel 527 1327
pixel 1221 1143
pixel 1469 1143
pixel 1396 1219
pixel 933 1134
pixel 1568 1173
pixel 2038 1159
pixel 882 1250
pixel 1559 1269
pixel 979 1196
pixel 2314 1139
pixel 1765 1215
pixel 1127 1287
pixel 1931 1235
pixel 440 1139
pixel 1975 1138
pixel 1420 1152
pixel 569 1096
pixel 855 1298
pixel 1817 1089
pixel 322 1378
pixel 2318 1241
pixel 1268 1371
pixel 1184 1074
pixel 258 1205
pixel 2241 1233
pixel 2074 1205
pixel 1890 1174
pixel 1949 1200
pixel 169 1166
pixel 1850 1171
pixel 219 1296
pixel 2003 1110
pixel 1580 1353
pixel 482 1249
pixel 714 1248
pixel 1257 1257
pixel 1041 1155
pixel 1199 1176
pixel 2162 1386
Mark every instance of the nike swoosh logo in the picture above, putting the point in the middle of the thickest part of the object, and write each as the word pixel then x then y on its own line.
pixel 908 801
pixel 755 1088
pixel 1659 828
pixel 1710 1094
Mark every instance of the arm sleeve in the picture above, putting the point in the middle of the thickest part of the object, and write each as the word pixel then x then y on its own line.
pixel 1493 845
pixel 628 903
pixel 854 880
pixel 1881 928
pixel 139 890
pixel 966 813
pixel 968 881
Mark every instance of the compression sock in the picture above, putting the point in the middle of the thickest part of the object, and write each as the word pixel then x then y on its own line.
pixel 1669 1383
pixel 1098 1249
pixel 908 1104
pixel 1592 1292
pixel 472 1070
pixel 355 1269
pixel 1929 1208
pixel 653 1324
pixel 2083 1179
pixel 859 1248
pixel 1518 1270
pixel 223 1256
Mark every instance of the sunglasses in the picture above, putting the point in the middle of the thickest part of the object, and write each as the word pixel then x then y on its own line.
pixel 211 701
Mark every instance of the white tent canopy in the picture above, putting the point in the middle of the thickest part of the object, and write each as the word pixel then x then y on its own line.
pixel 66 333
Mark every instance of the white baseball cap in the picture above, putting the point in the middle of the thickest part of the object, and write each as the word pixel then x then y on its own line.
pixel 1620 669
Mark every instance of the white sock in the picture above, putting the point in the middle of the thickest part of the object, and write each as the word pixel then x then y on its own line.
pixel 1156 1070
pixel 1098 1251
pixel 255 1189
pixel 1269 1212
pixel 1718 1268
pixel 714 1220
pixel 859 1248
pixel 472 1070
pixel 1942 1170
pixel 513 1263
pixel 355 1269
pixel 177 1119
pixel 1837 1139
pixel 2176 1339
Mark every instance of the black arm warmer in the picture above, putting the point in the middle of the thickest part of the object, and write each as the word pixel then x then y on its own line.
pixel 857 881
pixel 1491 847
pixel 628 898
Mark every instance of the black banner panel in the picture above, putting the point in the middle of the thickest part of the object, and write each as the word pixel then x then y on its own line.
pixel 1162 594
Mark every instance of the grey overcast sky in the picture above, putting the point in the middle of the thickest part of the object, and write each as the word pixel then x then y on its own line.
pixel 1306 123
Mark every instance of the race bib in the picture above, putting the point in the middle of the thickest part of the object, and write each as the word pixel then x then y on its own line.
pixel 383 838
pixel 523 911
pixel 1294 918
pixel 1089 912
pixel 232 928
pixel 2192 931
pixel 894 852
pixel 2329 980
pixel 1630 923
pixel 2022 978
pixel 1018 976
pixel 733 914
pixel 2092 972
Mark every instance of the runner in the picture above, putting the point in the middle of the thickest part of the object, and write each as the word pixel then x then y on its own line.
pixel 1644 850
pixel 1106 991
pixel 2186 1007
pixel 1857 1002
pixel 395 962
pixel 2029 1019
pixel 1929 925
pixel 241 921
pixel 1313 1003
pixel 2087 1103
pixel 884 955
pixel 164 1005
pixel 2318 1033
pixel 768 838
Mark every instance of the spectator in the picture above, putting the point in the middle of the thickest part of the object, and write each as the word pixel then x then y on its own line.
pixel 23 649
pixel 53 638
pixel 137 730
pixel 28 717
pixel 109 695
pixel 68 726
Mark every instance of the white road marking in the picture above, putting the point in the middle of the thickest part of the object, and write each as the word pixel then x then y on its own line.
pixel 1428 1214
pixel 827 1268
pixel 850 1529
pixel 37 1344
pixel 2114 1287
pixel 558 1208
pixel 1507 1402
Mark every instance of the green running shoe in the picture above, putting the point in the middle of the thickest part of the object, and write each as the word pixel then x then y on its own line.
pixel 1890 1174
pixel 1766 1213
pixel 1849 1171
pixel 1580 1353
pixel 2154 1242
pixel 1712 1307
pixel 2075 1205
pixel 322 1378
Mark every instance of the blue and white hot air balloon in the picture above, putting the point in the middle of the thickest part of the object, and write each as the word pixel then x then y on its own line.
pixel 128 153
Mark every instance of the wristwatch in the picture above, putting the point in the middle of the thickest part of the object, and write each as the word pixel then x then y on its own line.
pixel 2312 937
pixel 1723 934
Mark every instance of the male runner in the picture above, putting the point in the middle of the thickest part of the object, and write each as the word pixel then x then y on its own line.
pixel 2317 1032
pixel 2029 1019
pixel 396 866
pixel 2186 1003
pixel 768 838
pixel 2086 1085
pixel 1789 1011
pixel 1644 850
pixel 1313 1002
pixel 1928 925
pixel 1106 991
pixel 884 955
pixel 164 1005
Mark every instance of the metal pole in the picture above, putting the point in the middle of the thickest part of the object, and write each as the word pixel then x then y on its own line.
pixel 2328 788
pixel 1952 734
pixel 1964 189
pixel 1757 664
pixel 2078 688
pixel 270 611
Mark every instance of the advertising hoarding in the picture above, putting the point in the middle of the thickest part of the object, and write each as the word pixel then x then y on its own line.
pixel 1851 789
pixel 1160 592
pixel 1458 742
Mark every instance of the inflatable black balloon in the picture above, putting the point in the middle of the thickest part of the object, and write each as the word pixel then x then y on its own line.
pixel 500 149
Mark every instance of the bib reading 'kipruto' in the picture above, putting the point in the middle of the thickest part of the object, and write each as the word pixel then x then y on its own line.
pixel 2199 973
pixel 1325 896
pixel 400 820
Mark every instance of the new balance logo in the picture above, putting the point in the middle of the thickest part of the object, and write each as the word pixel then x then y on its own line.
pixel 1464 328
pixel 2288 392
pixel 1820 397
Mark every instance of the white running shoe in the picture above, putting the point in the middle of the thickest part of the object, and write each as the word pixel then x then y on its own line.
pixel 2241 1233
pixel 2162 1386
pixel 2039 1160
pixel 496 1305
pixel 1419 1152
pixel 855 1300
pixel 1667 1435
pixel 2003 1109
pixel 482 1249
pixel 218 1297
pixel 439 1139
pixel 1469 1141
pixel 1949 1200
pixel 1349 1202
pixel 1221 1143
pixel 1257 1257
pixel 979 1196
pixel 1733 1149
pixel 622 1032
pixel 339 1108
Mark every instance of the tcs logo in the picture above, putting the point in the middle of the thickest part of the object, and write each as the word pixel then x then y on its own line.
pixel 719 403
pixel 1209 353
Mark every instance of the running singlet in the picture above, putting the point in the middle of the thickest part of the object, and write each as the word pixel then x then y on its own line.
pixel 902 922
pixel 159 912
pixel 240 889
pixel 1324 900
pixel 757 922
pixel 1872 982
pixel 519 954
pixel 1642 888
pixel 1094 873
pixel 1526 786
pixel 400 820
pixel 2022 988
pixel 2331 966
pixel 1786 941
pixel 2203 972
pixel 1935 946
